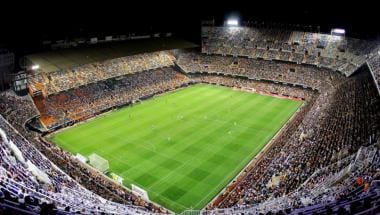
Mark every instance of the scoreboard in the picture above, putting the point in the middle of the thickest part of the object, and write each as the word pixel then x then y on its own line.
pixel 20 84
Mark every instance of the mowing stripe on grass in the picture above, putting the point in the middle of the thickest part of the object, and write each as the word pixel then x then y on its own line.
pixel 184 146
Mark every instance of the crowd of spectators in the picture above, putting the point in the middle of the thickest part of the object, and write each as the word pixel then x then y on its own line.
pixel 29 180
pixel 86 101
pixel 374 65
pixel 270 88
pixel 348 186
pixel 293 74
pixel 17 109
pixel 89 73
pixel 335 52
pixel 340 115
pixel 343 116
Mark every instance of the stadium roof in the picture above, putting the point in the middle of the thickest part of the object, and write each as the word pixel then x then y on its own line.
pixel 67 58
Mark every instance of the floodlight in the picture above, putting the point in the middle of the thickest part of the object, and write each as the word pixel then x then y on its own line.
pixel 232 22
pixel 35 67
pixel 338 32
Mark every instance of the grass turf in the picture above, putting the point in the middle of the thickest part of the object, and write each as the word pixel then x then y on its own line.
pixel 185 146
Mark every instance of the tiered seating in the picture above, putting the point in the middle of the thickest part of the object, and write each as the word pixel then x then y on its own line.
pixel 28 180
pixel 259 69
pixel 17 109
pixel 374 65
pixel 256 86
pixel 341 188
pixel 63 80
pixel 309 48
pixel 327 156
pixel 86 101
pixel 343 117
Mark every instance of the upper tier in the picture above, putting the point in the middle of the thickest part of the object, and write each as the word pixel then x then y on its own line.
pixel 339 53
pixel 54 82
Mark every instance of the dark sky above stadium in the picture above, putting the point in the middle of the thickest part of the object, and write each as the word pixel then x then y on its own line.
pixel 26 25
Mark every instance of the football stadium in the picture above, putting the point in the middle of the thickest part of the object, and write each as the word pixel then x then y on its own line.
pixel 255 119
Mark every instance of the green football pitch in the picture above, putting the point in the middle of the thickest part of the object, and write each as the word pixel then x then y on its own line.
pixel 185 146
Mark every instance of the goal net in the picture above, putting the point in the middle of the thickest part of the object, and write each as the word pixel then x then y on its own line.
pixel 81 158
pixel 140 192
pixel 98 162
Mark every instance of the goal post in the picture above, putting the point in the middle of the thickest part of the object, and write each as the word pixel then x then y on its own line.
pixel 98 162
pixel 81 158
pixel 140 192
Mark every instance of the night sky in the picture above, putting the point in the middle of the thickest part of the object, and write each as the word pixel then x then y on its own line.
pixel 26 25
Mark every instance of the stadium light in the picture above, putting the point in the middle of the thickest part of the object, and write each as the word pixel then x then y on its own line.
pixel 232 22
pixel 338 32
pixel 35 67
